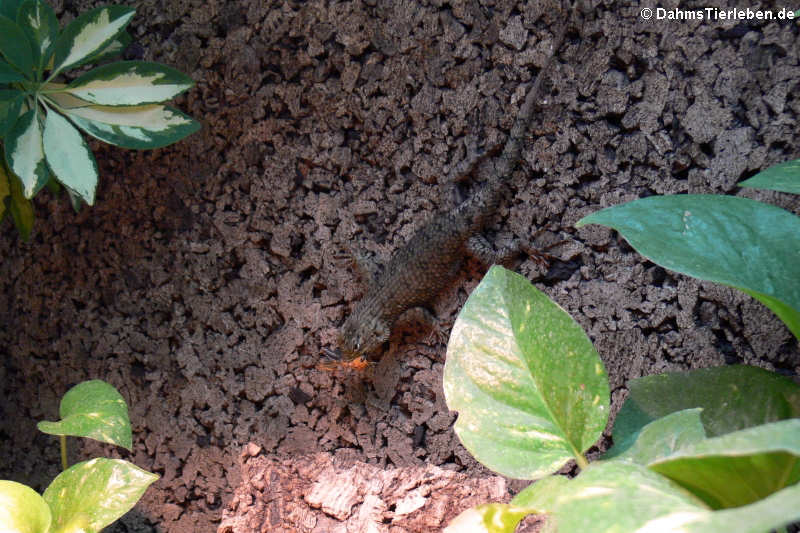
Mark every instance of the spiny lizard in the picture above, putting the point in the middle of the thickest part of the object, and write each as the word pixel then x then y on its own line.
pixel 433 256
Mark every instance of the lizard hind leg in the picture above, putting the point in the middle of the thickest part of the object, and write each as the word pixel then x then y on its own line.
pixel 365 264
pixel 480 248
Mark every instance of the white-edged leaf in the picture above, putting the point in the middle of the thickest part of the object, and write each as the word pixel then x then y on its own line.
pixel 25 153
pixel 115 48
pixel 87 36
pixel 129 83
pixel 14 45
pixel 8 74
pixel 38 20
pixel 140 127
pixel 69 156
pixel 61 100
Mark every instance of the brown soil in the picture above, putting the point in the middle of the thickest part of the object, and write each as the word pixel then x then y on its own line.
pixel 206 279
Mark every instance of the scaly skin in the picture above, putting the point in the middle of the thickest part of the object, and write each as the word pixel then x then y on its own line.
pixel 433 257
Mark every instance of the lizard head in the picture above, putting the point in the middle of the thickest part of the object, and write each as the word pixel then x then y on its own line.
pixel 360 336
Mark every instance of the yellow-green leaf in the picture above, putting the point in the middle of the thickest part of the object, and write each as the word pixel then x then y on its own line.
pixel 22 510
pixel 530 389
pixel 96 492
pixel 92 409
pixel 21 208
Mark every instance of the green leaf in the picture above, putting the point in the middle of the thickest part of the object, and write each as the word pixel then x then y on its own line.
pixel 93 409
pixel 530 390
pixel 9 8
pixel 617 496
pixel 739 242
pixel 38 20
pixel 10 107
pixel 86 37
pixel 25 153
pixel 128 83
pixel 540 496
pixel 784 177
pixel 21 208
pixel 140 127
pixel 738 468
pixel 22 510
pixel 489 518
pixel 660 438
pixel 8 74
pixel 14 45
pixel 69 157
pixel 96 492
pixel 732 398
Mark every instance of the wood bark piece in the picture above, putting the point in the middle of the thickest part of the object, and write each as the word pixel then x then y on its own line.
pixel 319 493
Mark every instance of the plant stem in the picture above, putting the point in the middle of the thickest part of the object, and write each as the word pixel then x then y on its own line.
pixel 581 460
pixel 64 464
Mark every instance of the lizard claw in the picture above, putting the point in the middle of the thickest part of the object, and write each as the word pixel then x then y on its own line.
pixel 440 332
pixel 333 355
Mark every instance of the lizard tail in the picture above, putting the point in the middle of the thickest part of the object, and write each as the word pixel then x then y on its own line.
pixel 513 148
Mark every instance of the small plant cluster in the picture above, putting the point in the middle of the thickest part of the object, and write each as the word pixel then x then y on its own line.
pixel 90 495
pixel 40 117
pixel 711 450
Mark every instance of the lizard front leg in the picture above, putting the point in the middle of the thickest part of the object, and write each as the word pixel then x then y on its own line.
pixel 424 316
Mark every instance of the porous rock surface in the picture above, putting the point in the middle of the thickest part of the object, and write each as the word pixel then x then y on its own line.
pixel 208 275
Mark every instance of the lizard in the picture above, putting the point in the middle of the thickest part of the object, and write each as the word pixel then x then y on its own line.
pixel 434 255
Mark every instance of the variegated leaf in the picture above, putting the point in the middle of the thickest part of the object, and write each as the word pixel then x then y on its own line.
pixel 140 127
pixel 115 48
pixel 87 36
pixel 14 45
pixel 8 74
pixel 10 107
pixel 25 153
pixel 38 20
pixel 69 157
pixel 129 83
pixel 63 100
